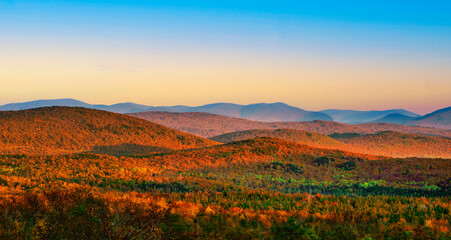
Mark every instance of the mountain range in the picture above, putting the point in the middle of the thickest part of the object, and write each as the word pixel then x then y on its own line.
pixel 263 112
pixel 266 112
pixel 272 112
pixel 68 102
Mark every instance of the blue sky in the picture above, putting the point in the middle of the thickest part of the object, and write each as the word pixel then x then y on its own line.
pixel 405 27
pixel 243 38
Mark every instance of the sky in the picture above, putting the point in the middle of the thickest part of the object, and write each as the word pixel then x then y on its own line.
pixel 362 55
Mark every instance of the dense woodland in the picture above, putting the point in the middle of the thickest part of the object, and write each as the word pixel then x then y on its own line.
pixel 399 144
pixel 63 129
pixel 392 144
pixel 258 188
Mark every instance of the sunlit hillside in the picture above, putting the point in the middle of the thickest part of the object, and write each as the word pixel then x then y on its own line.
pixel 393 144
pixel 262 188
pixel 398 144
pixel 68 129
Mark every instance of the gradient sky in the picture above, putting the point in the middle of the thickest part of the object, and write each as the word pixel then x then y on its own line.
pixel 316 55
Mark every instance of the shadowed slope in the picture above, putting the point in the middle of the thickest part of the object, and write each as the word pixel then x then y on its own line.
pixel 73 129
pixel 353 116
pixel 298 136
pixel 395 118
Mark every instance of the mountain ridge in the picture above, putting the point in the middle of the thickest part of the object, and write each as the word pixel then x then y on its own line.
pixel 263 112
pixel 356 117
pixel 440 118
pixel 396 118
pixel 258 111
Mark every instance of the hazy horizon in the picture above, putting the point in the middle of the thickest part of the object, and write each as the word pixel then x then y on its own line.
pixel 207 103
pixel 314 55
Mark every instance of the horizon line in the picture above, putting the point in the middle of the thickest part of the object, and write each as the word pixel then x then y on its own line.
pixel 86 102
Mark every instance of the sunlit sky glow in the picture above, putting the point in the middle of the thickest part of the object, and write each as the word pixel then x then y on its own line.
pixel 316 55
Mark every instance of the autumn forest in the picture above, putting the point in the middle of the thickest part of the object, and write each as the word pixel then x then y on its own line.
pixel 79 173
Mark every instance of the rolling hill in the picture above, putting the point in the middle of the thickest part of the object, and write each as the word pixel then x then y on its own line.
pixel 439 119
pixel 298 136
pixel 391 144
pixel 255 150
pixel 396 144
pixel 355 117
pixel 62 129
pixel 210 125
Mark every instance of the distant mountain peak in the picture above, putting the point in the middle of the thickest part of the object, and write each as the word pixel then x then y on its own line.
pixel 396 118
pixel 439 119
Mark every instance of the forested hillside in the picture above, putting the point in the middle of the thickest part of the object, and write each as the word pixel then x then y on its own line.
pixel 398 144
pixel 90 174
pixel 63 129
pixel 297 136
pixel 393 144
pixel 262 188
